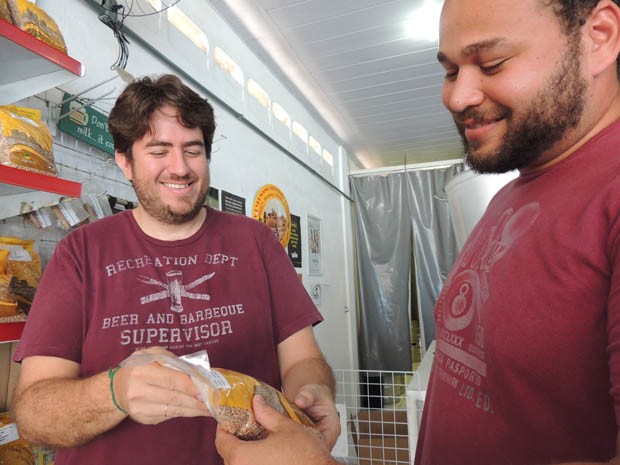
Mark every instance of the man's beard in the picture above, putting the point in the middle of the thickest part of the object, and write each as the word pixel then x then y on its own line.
pixel 151 203
pixel 556 109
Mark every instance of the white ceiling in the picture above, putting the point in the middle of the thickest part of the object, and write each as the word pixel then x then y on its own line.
pixel 376 87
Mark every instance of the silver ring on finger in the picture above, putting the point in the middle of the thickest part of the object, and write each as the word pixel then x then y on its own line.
pixel 166 410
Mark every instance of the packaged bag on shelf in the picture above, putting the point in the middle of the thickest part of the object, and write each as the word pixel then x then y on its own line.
pixel 23 292
pixel 42 218
pixel 25 141
pixel 8 300
pixel 97 206
pixel 228 394
pixel 23 260
pixel 5 12
pixel 70 213
pixel 20 273
pixel 36 22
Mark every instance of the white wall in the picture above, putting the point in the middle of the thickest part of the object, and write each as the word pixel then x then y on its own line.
pixel 242 160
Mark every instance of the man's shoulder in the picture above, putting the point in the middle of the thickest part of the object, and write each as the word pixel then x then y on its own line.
pixel 108 226
pixel 235 219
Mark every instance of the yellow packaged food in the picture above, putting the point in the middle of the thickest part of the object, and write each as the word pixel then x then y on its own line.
pixel 25 141
pixel 23 262
pixel 230 400
pixel 8 299
pixel 5 12
pixel 36 22
pixel 228 394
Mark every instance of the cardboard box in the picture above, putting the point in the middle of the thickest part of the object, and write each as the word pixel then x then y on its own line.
pixel 382 423
pixel 381 437
pixel 383 451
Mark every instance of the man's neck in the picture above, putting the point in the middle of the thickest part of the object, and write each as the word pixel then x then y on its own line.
pixel 168 232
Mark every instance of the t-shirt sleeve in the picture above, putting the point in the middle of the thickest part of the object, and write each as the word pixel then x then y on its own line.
pixel 613 308
pixel 292 307
pixel 54 323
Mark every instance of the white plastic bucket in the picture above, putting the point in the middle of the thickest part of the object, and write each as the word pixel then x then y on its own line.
pixel 468 195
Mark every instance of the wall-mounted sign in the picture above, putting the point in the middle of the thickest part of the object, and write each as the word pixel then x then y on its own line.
pixel 233 203
pixel 294 244
pixel 85 123
pixel 271 207
pixel 213 199
pixel 315 261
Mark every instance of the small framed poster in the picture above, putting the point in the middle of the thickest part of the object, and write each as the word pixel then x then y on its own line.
pixel 315 262
pixel 271 208
pixel 294 243
pixel 233 203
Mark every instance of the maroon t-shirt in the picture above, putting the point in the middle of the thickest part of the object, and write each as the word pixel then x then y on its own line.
pixel 109 290
pixel 527 366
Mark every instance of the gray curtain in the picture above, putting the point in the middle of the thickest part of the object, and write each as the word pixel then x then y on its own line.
pixel 397 215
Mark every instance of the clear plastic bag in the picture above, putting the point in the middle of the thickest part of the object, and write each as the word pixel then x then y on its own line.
pixel 227 394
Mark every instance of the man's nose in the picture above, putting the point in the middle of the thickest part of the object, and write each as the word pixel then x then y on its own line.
pixel 177 164
pixel 464 91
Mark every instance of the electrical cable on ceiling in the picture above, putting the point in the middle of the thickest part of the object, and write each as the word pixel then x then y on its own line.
pixel 111 19
pixel 130 11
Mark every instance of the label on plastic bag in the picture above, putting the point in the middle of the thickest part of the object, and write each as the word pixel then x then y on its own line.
pixel 218 380
pixel 8 434
pixel 200 360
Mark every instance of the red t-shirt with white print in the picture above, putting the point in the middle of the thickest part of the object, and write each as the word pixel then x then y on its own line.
pixel 527 364
pixel 109 289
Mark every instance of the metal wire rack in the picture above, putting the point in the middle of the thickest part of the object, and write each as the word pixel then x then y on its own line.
pixel 378 417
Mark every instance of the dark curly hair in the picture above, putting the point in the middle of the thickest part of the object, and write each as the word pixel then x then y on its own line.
pixel 573 14
pixel 129 119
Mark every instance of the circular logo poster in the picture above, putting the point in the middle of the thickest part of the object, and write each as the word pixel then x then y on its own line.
pixel 271 208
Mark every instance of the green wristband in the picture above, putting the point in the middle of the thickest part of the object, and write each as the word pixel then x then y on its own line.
pixel 111 374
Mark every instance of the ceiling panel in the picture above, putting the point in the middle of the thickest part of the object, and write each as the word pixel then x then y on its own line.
pixel 381 87
pixel 329 16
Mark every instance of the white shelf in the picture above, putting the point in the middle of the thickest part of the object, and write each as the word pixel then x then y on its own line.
pixel 30 66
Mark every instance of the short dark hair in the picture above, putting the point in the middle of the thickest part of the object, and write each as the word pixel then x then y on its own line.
pixel 129 119
pixel 573 14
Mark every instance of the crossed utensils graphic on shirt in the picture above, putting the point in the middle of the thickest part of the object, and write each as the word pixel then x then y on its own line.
pixel 174 289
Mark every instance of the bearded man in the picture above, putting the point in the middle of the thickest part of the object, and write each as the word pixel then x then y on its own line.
pixel 527 362
pixel 145 281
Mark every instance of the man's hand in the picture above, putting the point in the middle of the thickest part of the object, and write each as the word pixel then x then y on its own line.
pixel 287 442
pixel 318 402
pixel 152 393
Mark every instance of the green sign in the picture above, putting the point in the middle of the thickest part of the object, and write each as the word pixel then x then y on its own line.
pixel 85 123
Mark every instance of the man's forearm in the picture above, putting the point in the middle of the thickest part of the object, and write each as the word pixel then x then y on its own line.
pixel 64 412
pixel 308 371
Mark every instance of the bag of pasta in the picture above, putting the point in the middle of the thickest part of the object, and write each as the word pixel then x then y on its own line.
pixel 25 141
pixel 5 12
pixel 228 394
pixel 36 22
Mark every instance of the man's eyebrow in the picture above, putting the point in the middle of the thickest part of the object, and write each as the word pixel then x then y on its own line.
pixel 474 49
pixel 161 143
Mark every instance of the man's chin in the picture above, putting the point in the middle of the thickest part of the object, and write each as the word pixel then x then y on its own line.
pixel 487 164
pixel 179 216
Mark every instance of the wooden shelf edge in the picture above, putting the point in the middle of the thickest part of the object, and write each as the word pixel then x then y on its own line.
pixel 40 182
pixel 31 43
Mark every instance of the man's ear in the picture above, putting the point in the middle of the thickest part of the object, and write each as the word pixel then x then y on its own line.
pixel 602 37
pixel 124 164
